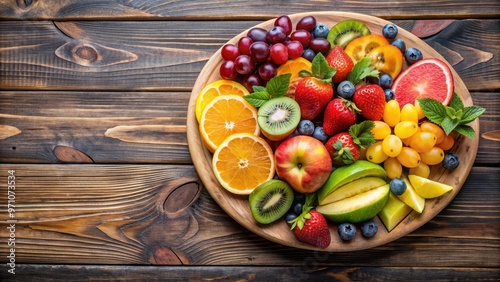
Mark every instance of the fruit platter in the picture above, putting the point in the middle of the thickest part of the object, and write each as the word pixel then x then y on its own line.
pixel 331 131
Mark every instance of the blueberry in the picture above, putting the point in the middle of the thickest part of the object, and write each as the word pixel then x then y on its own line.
pixel 385 81
pixel 390 31
pixel 389 95
pixel 320 134
pixel 305 127
pixel 347 231
pixel 398 186
pixel 346 89
pixel 369 228
pixel 413 55
pixel 451 161
pixel 309 54
pixel 400 43
pixel 299 198
pixel 297 208
pixel 320 31
pixel 289 217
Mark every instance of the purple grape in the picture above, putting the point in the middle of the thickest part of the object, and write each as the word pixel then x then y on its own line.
pixel 307 23
pixel 267 71
pixel 285 22
pixel 320 45
pixel 259 51
pixel 257 34
pixel 276 35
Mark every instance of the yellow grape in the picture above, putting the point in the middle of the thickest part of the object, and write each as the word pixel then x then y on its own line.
pixel 375 154
pixel 447 143
pixel 432 157
pixel 381 130
pixel 434 128
pixel 420 112
pixel 405 129
pixel 422 170
pixel 392 113
pixel 408 157
pixel 409 112
pixel 423 141
pixel 391 145
pixel 393 168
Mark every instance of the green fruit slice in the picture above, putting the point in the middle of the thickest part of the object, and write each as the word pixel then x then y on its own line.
pixel 345 31
pixel 270 200
pixel 278 117
pixel 358 208
pixel 411 198
pixel 349 173
pixel 355 187
pixel 393 212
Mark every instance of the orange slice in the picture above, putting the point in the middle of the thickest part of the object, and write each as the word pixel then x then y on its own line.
pixel 214 89
pixel 294 67
pixel 226 115
pixel 243 162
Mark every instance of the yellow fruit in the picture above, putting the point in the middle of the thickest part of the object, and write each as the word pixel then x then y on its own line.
pixel 214 89
pixel 243 162
pixel 412 198
pixel 224 116
pixel 427 188
pixel 422 170
pixel 393 212
pixel 294 67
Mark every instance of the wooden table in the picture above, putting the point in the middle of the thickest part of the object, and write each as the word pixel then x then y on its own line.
pixel 93 102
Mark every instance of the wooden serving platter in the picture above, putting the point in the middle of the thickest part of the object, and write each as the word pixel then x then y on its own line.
pixel 237 206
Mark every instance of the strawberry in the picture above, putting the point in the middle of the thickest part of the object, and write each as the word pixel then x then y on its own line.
pixel 370 99
pixel 311 226
pixel 345 147
pixel 338 59
pixel 314 90
pixel 339 115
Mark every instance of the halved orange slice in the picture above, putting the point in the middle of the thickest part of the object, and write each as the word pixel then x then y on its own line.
pixel 243 162
pixel 226 115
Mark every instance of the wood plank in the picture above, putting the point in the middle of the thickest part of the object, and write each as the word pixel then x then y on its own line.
pixel 101 9
pixel 130 127
pixel 247 273
pixel 126 56
pixel 158 214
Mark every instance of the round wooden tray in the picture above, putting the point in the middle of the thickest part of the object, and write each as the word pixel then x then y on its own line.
pixel 237 206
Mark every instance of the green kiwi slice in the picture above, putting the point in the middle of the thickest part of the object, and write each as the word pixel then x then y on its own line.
pixel 278 117
pixel 345 31
pixel 270 200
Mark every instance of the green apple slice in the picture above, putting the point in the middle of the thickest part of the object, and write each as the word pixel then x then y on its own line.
pixel 427 188
pixel 411 198
pixel 393 212
pixel 349 173
pixel 355 187
pixel 358 208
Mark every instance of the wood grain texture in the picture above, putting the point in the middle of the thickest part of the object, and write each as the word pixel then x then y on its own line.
pixel 126 56
pixel 137 9
pixel 132 127
pixel 123 214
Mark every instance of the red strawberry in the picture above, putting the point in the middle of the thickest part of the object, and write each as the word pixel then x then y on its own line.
pixel 339 115
pixel 345 147
pixel 314 91
pixel 311 226
pixel 370 99
pixel 338 59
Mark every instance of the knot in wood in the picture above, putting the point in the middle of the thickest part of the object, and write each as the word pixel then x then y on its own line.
pixel 86 53
pixel 24 4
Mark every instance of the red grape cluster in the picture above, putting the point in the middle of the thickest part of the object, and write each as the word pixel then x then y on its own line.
pixel 257 56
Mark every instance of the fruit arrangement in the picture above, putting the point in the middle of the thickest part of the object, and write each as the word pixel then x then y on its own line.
pixel 331 127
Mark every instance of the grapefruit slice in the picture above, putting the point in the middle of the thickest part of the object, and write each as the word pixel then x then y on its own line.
pixel 427 78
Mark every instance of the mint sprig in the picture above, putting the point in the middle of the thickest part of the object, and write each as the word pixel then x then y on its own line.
pixel 362 70
pixel 361 133
pixel 320 69
pixel 275 87
pixel 453 117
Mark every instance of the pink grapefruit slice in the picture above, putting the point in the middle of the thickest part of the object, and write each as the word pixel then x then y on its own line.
pixel 427 78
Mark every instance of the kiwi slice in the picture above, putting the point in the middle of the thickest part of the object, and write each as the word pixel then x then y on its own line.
pixel 278 117
pixel 270 200
pixel 345 31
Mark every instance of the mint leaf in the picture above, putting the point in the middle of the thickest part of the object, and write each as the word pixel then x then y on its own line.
pixel 257 99
pixel 258 88
pixel 451 112
pixel 434 110
pixel 278 85
pixel 361 70
pixel 456 103
pixel 471 113
pixel 448 124
pixel 320 69
pixel 466 131
pixel 361 133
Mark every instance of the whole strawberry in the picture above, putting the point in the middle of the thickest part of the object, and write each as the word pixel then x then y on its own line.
pixel 338 59
pixel 310 226
pixel 339 115
pixel 345 147
pixel 370 99
pixel 314 90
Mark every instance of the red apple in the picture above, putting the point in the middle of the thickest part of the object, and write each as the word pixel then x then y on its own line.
pixel 303 162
